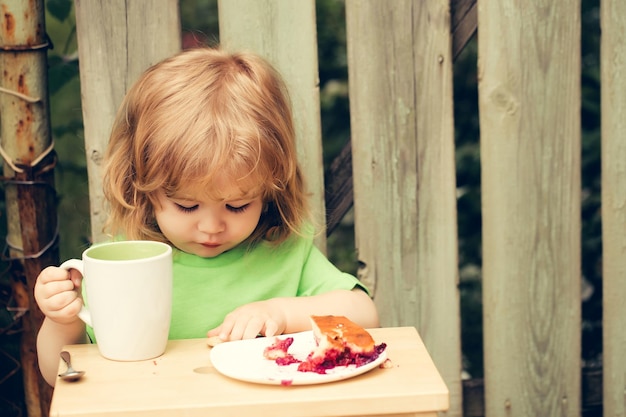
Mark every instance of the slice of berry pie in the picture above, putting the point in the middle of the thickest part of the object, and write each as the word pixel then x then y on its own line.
pixel 339 342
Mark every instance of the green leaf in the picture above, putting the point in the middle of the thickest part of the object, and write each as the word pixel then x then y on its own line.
pixel 60 9
pixel 60 72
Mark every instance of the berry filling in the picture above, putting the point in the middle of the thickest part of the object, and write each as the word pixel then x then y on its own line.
pixel 332 358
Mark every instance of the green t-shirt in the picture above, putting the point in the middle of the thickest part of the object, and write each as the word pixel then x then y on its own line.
pixel 205 290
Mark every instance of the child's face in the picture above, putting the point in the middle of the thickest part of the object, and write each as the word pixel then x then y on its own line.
pixel 199 225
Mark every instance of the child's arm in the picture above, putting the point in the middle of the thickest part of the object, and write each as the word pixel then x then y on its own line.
pixel 56 293
pixel 292 314
pixel 51 338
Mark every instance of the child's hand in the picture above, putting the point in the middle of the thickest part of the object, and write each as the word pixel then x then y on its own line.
pixel 57 292
pixel 251 320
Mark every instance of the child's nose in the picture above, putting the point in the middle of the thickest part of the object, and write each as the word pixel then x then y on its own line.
pixel 211 224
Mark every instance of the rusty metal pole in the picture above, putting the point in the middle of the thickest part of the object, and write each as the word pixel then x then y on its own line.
pixel 28 167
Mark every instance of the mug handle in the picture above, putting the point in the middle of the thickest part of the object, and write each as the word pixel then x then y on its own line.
pixel 77 264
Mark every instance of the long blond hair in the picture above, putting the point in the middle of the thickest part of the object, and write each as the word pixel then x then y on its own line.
pixel 199 114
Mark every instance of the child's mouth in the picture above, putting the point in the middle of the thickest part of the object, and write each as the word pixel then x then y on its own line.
pixel 211 245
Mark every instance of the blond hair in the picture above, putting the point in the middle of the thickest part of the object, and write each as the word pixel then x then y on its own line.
pixel 200 114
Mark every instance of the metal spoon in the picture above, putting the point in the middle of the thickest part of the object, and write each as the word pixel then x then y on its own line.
pixel 70 374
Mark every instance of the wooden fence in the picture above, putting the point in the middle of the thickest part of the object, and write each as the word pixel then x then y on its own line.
pixel 400 56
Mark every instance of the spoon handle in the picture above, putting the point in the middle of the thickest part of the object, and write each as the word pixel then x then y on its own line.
pixel 65 355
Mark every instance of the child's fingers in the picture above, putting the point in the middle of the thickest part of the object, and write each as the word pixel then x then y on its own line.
pixel 57 294
pixel 53 273
pixel 214 340
pixel 60 301
pixel 76 278
pixel 246 327
pixel 45 293
pixel 67 310
pixel 73 308
pixel 271 328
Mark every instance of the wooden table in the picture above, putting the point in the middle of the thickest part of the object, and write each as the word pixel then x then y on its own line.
pixel 182 382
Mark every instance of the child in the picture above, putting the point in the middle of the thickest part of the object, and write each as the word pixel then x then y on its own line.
pixel 202 156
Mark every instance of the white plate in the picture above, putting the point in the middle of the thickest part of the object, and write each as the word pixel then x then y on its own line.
pixel 244 360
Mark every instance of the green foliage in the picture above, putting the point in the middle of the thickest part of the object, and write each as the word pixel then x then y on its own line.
pixel 67 129
pixel 59 9
pixel 199 22
pixel 467 133
pixel 591 179
pixel 335 114
pixel 61 72
pixel 333 75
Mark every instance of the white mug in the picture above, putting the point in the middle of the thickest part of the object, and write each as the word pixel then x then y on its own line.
pixel 128 291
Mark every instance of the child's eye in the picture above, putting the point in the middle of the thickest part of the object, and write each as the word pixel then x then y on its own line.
pixel 186 209
pixel 237 209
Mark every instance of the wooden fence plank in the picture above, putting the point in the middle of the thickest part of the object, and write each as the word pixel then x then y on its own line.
pixel 338 181
pixel 400 78
pixel 613 72
pixel 117 40
pixel 284 32
pixel 529 99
